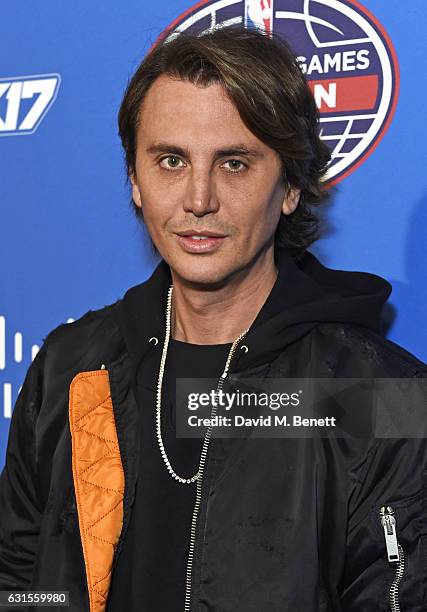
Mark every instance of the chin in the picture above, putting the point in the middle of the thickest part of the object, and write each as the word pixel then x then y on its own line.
pixel 202 273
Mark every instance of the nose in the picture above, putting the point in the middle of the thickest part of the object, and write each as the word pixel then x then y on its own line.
pixel 200 197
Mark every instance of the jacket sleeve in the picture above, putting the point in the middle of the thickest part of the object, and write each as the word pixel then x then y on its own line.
pixel 20 512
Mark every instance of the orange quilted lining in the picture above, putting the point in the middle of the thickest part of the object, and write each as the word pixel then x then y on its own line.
pixel 98 478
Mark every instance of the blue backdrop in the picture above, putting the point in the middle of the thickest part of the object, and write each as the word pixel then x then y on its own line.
pixel 70 242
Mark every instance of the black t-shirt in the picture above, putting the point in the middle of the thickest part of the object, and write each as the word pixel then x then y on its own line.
pixel 151 569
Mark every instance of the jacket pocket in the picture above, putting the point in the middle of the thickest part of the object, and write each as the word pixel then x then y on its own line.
pixel 386 564
pixel 395 554
pixel 402 525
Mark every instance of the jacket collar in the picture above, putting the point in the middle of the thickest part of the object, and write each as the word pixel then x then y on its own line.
pixel 305 294
pixel 141 312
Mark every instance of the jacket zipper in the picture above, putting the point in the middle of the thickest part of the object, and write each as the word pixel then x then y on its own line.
pixel 395 554
pixel 199 482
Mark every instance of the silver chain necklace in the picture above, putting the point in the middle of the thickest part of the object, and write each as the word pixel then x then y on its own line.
pixel 159 397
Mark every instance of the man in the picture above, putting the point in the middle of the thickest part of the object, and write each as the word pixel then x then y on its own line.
pixel 99 496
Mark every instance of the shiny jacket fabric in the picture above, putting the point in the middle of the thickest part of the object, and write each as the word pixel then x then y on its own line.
pixel 284 524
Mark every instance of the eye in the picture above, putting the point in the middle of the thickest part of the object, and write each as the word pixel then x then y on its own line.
pixel 170 166
pixel 236 166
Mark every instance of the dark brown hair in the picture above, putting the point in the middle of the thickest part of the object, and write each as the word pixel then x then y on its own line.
pixel 267 86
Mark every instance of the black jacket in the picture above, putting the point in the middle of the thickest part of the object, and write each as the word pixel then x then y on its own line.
pixel 282 524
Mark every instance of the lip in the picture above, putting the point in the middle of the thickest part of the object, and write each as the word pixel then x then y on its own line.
pixel 206 245
pixel 191 232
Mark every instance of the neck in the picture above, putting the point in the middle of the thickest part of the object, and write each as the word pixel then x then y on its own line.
pixel 219 316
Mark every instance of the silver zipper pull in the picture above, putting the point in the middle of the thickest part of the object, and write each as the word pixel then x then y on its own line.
pixel 103 366
pixel 389 525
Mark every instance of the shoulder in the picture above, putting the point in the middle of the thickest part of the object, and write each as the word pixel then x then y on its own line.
pixel 376 355
pixel 88 323
pixel 90 338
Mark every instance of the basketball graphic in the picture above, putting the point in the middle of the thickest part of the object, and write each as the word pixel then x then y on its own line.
pixel 345 53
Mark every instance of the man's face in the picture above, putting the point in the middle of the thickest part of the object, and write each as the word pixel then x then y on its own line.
pixel 199 169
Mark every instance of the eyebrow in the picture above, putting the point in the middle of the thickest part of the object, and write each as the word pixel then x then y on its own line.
pixel 165 147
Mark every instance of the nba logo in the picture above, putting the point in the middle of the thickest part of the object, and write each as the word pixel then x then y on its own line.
pixel 259 14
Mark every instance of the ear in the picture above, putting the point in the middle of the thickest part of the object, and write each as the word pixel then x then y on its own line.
pixel 136 196
pixel 291 200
